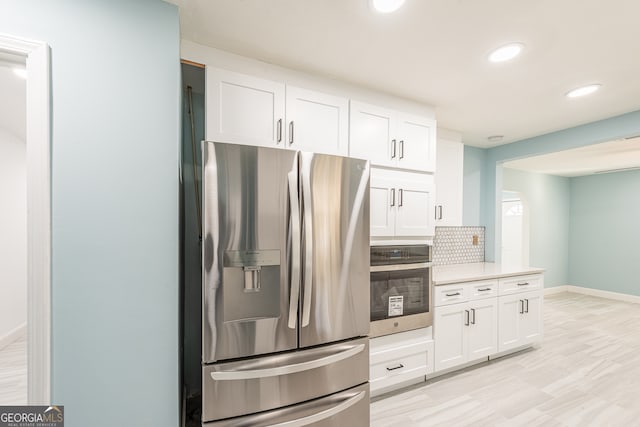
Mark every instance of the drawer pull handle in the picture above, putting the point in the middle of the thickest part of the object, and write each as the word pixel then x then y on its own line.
pixel 523 284
pixel 453 294
pixel 400 366
pixel 484 290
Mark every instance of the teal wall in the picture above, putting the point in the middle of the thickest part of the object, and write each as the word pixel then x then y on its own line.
pixel 474 169
pixel 115 141
pixel 547 198
pixel 605 232
pixel 588 134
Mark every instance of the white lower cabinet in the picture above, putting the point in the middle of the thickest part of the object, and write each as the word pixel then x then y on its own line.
pixel 520 319
pixel 465 332
pixel 476 320
pixel 483 328
pixel 472 321
pixel 450 335
pixel 400 359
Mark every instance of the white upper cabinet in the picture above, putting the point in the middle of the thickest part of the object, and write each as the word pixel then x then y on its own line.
pixel 244 110
pixel 416 142
pixel 317 122
pixel 401 203
pixel 416 196
pixel 391 138
pixel 382 194
pixel 449 181
pixel 371 134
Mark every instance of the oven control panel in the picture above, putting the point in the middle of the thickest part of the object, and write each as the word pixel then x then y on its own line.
pixel 406 254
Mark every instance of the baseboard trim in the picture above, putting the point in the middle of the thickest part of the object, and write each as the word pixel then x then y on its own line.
pixel 635 299
pixel 604 294
pixel 13 335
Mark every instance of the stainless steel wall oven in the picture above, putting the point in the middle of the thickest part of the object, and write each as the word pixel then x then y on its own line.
pixel 400 289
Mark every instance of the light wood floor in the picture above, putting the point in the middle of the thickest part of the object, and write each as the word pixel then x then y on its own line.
pixel 13 373
pixel 585 373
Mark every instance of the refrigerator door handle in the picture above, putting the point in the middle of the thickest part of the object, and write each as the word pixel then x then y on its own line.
pixel 295 246
pixel 322 415
pixel 287 369
pixel 308 237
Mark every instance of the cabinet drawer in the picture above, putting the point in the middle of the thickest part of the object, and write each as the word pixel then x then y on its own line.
pixel 517 284
pixel 398 365
pixel 481 290
pixel 450 294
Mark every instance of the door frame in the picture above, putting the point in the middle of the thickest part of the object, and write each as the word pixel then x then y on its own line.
pixel 38 143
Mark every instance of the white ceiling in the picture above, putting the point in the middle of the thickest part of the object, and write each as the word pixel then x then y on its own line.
pixel 13 93
pixel 434 52
pixel 610 156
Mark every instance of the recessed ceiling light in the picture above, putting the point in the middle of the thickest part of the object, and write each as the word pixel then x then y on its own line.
pixel 387 6
pixel 506 52
pixel 20 72
pixel 584 90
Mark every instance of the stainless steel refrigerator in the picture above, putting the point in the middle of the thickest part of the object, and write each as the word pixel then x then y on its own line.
pixel 285 303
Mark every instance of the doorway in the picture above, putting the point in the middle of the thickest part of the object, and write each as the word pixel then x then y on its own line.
pixel 13 229
pixel 515 230
pixel 34 57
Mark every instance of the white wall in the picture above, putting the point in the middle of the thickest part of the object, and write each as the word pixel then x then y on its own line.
pixel 13 233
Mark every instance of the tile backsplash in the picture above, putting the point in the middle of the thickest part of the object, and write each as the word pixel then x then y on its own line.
pixel 458 245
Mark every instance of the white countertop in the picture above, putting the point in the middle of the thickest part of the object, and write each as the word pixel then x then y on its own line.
pixel 456 273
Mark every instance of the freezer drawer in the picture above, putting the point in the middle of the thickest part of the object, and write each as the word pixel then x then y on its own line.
pixel 260 384
pixel 345 408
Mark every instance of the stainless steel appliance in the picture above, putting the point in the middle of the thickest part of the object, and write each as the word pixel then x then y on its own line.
pixel 285 274
pixel 400 289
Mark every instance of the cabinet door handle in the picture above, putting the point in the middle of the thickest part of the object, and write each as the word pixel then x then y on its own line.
pixel 393 148
pixel 473 312
pixel 291 132
pixel 440 216
pixel 402 149
pixel 279 131
pixel 453 294
pixel 393 197
pixel 400 192
pixel 521 307
pixel 526 310
pixel 484 290
pixel 393 368
pixel 435 216
pixel 523 284
pixel 466 322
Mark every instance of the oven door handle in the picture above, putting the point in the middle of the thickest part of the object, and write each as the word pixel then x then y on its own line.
pixel 400 267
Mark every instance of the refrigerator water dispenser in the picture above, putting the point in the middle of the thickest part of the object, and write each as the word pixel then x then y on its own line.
pixel 251 284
